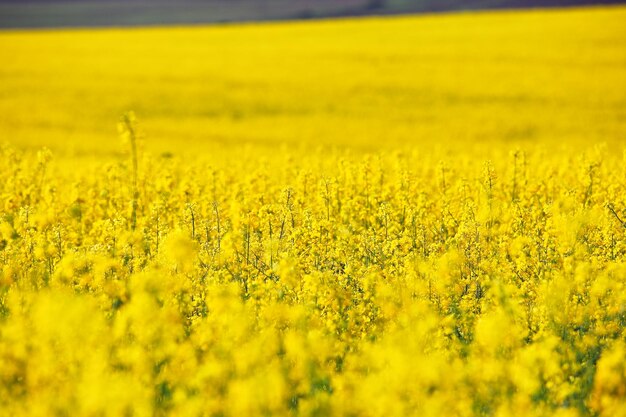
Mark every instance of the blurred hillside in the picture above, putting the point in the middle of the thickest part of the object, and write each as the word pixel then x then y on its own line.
pixel 72 13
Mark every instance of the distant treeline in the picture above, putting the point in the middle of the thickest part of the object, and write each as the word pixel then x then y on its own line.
pixel 72 13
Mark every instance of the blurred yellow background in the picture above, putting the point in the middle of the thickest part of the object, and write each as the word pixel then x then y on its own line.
pixel 517 77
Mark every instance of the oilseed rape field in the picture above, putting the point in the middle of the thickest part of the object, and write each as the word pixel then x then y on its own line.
pixel 403 216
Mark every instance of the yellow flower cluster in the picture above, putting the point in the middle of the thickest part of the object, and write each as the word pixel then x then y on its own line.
pixel 375 217
pixel 336 284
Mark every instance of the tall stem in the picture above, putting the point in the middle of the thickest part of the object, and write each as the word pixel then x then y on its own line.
pixel 132 134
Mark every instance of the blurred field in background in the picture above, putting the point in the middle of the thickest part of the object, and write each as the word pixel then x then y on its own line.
pixel 536 77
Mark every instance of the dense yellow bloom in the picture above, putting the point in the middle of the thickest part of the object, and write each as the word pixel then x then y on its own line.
pixel 293 299
pixel 357 270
